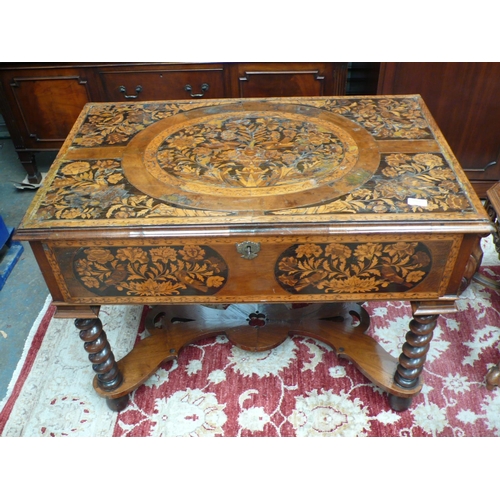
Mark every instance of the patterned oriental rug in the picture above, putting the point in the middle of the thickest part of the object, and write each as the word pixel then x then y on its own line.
pixel 301 388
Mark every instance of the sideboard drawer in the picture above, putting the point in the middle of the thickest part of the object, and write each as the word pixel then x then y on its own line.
pixel 290 79
pixel 164 83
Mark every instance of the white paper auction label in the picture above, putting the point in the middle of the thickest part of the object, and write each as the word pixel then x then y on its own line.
pixel 417 202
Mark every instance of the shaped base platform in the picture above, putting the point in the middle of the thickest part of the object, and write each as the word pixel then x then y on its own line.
pixel 251 327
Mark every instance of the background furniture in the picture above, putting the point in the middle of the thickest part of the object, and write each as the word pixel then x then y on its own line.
pixel 464 100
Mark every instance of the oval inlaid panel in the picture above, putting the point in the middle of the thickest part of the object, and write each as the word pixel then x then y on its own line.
pixel 318 268
pixel 251 156
pixel 151 270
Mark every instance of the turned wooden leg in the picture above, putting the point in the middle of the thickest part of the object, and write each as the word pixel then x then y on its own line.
pixel 412 359
pixel 109 376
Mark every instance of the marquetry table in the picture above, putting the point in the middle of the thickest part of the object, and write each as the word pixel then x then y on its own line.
pixel 258 219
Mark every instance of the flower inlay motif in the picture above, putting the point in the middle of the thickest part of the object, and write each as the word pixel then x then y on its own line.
pixel 93 190
pixel 151 271
pixel 248 150
pixel 353 267
pixel 401 177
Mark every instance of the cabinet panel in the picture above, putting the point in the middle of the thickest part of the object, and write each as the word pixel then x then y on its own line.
pixel 291 79
pixel 143 84
pixel 46 105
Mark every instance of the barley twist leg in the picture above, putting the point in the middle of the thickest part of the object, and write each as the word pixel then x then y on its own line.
pixel 412 359
pixel 109 376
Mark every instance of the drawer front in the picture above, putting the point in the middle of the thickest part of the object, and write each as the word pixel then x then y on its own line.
pixel 291 79
pixel 162 84
pixel 264 269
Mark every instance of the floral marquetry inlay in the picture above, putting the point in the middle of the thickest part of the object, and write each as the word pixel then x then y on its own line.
pixel 112 124
pixel 116 124
pixel 99 190
pixel 151 271
pixel 353 267
pixel 385 118
pixel 403 183
pixel 249 150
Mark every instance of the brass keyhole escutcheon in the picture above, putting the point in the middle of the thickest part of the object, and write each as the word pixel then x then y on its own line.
pixel 248 249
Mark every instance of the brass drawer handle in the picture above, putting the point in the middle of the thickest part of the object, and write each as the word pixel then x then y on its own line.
pixel 123 90
pixel 204 88
pixel 248 249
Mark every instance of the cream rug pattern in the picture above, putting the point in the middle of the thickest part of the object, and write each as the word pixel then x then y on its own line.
pixel 301 388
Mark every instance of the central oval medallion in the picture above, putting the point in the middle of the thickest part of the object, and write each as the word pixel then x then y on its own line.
pixel 253 156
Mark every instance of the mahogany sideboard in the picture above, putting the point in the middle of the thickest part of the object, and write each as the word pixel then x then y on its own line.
pixel 41 102
pixel 256 218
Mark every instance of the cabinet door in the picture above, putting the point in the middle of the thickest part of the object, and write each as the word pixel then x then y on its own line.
pixel 463 99
pixel 151 83
pixel 44 103
pixel 290 79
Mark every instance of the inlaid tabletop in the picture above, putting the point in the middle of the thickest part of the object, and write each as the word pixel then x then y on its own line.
pixel 290 160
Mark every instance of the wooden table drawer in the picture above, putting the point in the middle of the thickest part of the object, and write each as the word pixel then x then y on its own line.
pixel 307 269
pixel 147 84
